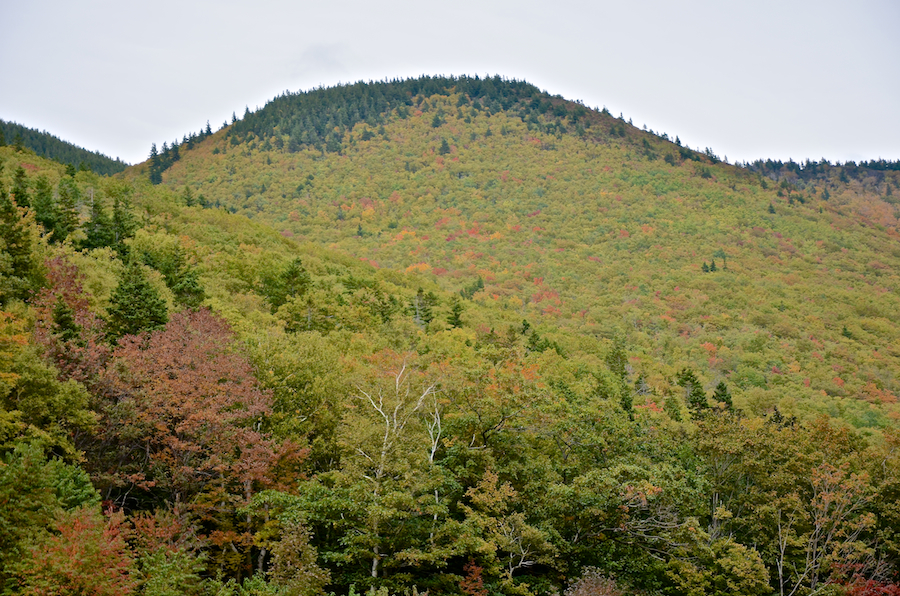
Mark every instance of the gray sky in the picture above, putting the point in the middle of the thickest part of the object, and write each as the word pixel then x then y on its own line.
pixel 768 78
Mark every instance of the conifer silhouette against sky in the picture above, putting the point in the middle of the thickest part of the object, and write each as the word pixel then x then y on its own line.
pixel 764 79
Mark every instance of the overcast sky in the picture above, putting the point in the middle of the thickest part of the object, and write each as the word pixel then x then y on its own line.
pixel 767 78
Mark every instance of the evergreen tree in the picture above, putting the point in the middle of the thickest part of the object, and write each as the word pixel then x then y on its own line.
pixel 445 147
pixel 292 281
pixel 421 307
pixel 617 359
pixel 693 391
pixel 45 212
pixel 454 319
pixel 123 223
pixel 712 266
pixel 66 216
pixel 187 288
pixel 135 305
pixel 64 325
pixel 99 229
pixel 187 195
pixel 20 188
pixel 16 270
pixel 155 166
pixel 721 394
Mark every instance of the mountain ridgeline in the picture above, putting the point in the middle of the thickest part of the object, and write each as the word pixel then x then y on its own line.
pixel 47 145
pixel 452 335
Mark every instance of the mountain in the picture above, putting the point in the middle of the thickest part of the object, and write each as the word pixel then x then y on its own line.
pixel 577 220
pixel 454 335
pixel 47 145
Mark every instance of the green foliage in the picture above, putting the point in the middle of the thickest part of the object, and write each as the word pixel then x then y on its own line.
pixel 99 231
pixel 353 425
pixel 34 489
pixel 135 305
pixel 693 391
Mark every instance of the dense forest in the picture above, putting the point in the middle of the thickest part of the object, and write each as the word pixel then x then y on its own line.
pixel 452 336
pixel 51 147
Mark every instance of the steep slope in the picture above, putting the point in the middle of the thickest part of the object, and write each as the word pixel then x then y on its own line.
pixel 580 221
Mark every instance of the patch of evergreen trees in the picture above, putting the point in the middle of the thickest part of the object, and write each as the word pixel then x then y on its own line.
pixel 46 145
pixel 162 160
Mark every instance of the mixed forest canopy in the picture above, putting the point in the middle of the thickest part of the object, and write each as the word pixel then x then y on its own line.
pixel 452 335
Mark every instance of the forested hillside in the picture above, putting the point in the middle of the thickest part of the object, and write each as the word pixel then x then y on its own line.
pixel 51 147
pixel 447 335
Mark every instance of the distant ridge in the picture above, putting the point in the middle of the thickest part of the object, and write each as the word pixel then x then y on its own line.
pixel 52 147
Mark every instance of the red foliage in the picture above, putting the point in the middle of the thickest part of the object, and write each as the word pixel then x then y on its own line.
pixel 84 356
pixel 195 411
pixel 88 554
pixel 871 587
pixel 472 584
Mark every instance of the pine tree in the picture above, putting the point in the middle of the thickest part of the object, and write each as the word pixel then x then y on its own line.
pixel 135 305
pixel 445 147
pixel 712 266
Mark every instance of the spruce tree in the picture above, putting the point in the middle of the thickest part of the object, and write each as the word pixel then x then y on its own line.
pixel 187 288
pixel 292 281
pixel 66 216
pixel 693 391
pixel 135 305
pixel 20 188
pixel 123 224
pixel 15 245
pixel 721 394
pixel 421 307
pixel 99 229
pixel 155 166
pixel 43 206
pixel 454 319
